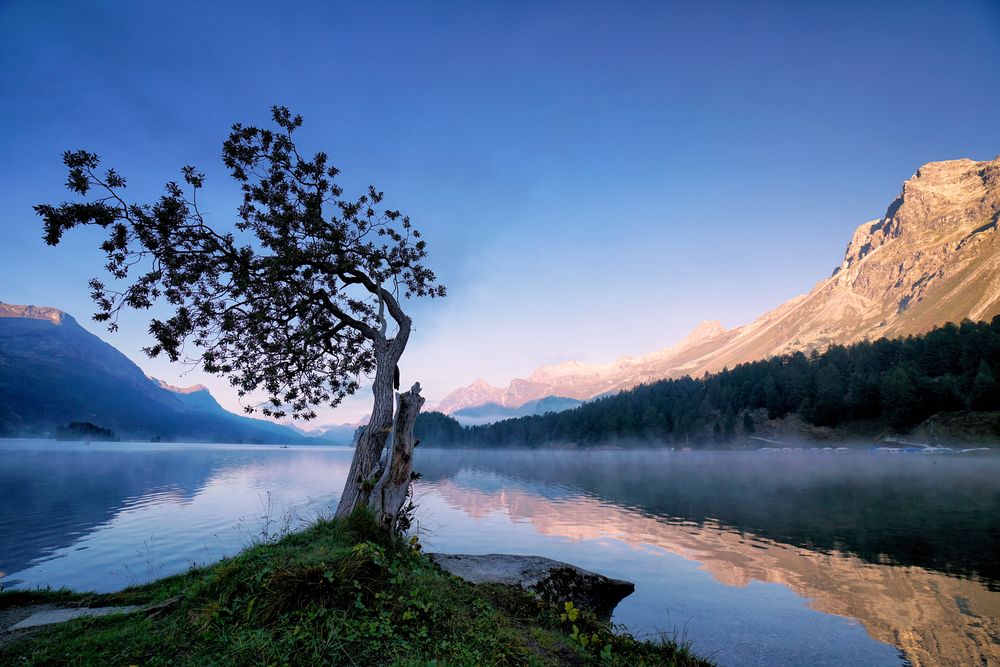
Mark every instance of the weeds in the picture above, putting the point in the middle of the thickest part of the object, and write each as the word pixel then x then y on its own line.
pixel 271 525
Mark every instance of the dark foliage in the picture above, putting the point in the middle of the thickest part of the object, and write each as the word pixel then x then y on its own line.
pixel 289 301
pixel 436 428
pixel 84 431
pixel 894 383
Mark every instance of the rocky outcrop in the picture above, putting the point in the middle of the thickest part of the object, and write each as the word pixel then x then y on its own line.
pixel 553 580
pixel 480 392
pixel 53 315
pixel 933 257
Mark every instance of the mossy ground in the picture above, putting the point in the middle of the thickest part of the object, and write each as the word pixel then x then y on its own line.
pixel 338 593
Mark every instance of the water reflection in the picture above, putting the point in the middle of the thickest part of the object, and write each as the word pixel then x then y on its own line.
pixel 105 516
pixel 759 559
pixel 940 512
pixel 933 618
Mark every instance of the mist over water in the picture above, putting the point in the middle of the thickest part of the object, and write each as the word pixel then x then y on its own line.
pixel 108 515
pixel 758 558
pixel 932 511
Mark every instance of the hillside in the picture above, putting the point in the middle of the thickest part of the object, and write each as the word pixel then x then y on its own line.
pixel 943 385
pixel 933 257
pixel 53 371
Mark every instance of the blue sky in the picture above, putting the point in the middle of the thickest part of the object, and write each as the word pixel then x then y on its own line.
pixel 593 179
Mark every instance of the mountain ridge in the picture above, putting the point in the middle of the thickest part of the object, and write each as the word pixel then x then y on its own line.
pixel 933 257
pixel 493 412
pixel 53 371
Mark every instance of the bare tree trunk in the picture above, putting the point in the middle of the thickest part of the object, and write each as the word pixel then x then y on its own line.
pixel 390 493
pixel 368 450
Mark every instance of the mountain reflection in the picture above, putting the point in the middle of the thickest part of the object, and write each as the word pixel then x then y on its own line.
pixel 52 503
pixel 799 558
pixel 846 523
pixel 940 513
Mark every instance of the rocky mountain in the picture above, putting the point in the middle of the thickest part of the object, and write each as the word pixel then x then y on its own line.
pixel 576 380
pixel 53 371
pixel 934 257
pixel 494 412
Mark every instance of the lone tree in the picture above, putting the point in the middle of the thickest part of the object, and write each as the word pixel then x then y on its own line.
pixel 300 301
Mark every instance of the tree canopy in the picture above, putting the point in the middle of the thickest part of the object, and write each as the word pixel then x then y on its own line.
pixel 300 298
pixel 296 299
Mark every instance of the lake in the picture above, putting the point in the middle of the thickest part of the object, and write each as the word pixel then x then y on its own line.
pixel 756 558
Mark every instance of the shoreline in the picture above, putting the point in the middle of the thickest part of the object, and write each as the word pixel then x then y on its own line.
pixel 337 589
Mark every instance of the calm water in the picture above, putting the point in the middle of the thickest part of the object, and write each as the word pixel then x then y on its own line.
pixel 756 558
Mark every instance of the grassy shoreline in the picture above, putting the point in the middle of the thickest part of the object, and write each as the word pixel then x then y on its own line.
pixel 339 592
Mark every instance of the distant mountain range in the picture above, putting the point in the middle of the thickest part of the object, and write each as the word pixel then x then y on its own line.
pixel 336 434
pixel 53 372
pixel 934 257
pixel 494 412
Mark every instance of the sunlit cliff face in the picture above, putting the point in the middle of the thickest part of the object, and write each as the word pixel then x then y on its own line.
pixel 932 258
pixel 933 618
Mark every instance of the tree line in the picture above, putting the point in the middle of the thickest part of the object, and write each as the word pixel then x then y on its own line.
pixel 885 383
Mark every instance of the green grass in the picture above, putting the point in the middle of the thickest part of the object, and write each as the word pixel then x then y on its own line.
pixel 339 593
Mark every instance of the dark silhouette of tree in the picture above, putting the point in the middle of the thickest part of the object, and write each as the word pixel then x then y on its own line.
pixel 299 300
pixel 900 398
pixel 985 393
pixel 85 431
pixel 830 390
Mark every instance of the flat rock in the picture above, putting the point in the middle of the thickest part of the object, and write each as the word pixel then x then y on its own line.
pixel 553 580
pixel 50 616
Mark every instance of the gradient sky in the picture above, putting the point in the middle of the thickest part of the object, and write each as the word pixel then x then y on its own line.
pixel 593 179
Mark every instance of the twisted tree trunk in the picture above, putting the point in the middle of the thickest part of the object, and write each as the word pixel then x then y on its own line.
pixel 362 477
pixel 389 494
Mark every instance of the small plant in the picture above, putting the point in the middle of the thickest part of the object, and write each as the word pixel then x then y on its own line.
pixel 406 516
pixel 596 640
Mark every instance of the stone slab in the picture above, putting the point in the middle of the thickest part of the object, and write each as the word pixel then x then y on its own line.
pixel 551 579
pixel 51 616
